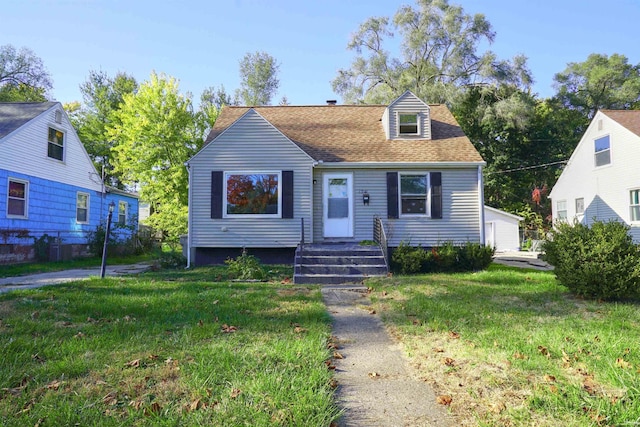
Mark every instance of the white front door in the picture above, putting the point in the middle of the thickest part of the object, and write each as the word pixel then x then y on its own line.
pixel 337 204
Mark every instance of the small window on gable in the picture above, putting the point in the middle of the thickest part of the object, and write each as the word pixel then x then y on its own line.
pixel 58 116
pixel 634 204
pixel 17 198
pixel 407 124
pixel 561 210
pixel 580 206
pixel 82 208
pixel 602 151
pixel 56 144
pixel 123 208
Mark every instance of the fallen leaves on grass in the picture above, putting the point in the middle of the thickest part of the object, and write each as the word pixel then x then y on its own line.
pixel 544 351
pixel 448 361
pixel 228 329
pixel 621 363
pixel 337 355
pixel 444 399
pixel 330 365
pixel 54 385
pixel 135 363
pixel 235 393
pixel 454 335
pixel 333 383
pixel 110 399
pixel 37 358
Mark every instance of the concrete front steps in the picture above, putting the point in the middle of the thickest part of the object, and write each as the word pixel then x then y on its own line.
pixel 338 263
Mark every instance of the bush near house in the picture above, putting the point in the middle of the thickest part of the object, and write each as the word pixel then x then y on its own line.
pixel 448 257
pixel 599 262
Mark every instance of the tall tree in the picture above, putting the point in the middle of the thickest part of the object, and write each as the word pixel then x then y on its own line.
pixel 439 55
pixel 258 79
pixel 156 131
pixel 102 96
pixel 599 82
pixel 23 76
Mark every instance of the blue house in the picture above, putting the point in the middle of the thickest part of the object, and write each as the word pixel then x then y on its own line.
pixel 49 185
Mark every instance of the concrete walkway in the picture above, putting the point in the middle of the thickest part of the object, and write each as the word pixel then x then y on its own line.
pixel 375 384
pixel 522 260
pixel 54 278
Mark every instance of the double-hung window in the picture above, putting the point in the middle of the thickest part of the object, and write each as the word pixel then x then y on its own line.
pixel 602 151
pixel 580 206
pixel 408 124
pixel 561 210
pixel 252 194
pixel 414 194
pixel 17 198
pixel 82 208
pixel 634 204
pixel 55 149
pixel 123 208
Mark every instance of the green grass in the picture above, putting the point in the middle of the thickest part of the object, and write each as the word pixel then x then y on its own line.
pixel 168 348
pixel 521 350
pixel 44 267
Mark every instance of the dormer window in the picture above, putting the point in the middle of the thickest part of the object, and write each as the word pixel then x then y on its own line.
pixel 407 124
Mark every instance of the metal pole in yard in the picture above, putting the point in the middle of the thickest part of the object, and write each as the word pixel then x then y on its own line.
pixel 106 240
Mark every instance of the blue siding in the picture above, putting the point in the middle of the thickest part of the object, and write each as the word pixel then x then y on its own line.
pixel 52 208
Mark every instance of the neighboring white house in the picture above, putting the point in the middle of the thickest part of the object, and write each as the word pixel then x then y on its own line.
pixel 602 179
pixel 501 229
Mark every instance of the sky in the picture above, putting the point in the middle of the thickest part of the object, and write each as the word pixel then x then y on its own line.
pixel 200 42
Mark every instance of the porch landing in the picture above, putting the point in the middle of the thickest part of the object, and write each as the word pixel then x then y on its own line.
pixel 338 263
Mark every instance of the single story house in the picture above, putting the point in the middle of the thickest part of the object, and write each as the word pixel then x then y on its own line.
pixel 270 177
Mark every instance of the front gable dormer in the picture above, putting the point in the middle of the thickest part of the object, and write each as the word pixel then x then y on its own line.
pixel 408 117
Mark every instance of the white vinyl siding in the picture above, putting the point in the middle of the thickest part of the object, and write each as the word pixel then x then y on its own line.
pixel 407 105
pixel 504 228
pixel 605 189
pixel 250 144
pixel 461 214
pixel 28 146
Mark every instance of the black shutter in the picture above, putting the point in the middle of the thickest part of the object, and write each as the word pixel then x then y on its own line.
pixel 216 194
pixel 436 194
pixel 287 194
pixel 392 194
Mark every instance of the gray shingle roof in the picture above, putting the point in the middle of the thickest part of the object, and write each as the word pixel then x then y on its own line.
pixel 15 114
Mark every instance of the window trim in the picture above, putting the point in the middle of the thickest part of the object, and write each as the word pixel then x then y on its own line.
pixel 407 113
pixel 126 211
pixel 225 177
pixel 565 210
pixel 26 198
pixel 427 213
pixel 64 138
pixel 576 206
pixel 607 150
pixel 631 206
pixel 78 193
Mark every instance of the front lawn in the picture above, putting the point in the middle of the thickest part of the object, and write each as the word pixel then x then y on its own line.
pixel 165 349
pixel 512 347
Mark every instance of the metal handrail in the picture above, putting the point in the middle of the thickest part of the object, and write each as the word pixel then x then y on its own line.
pixel 380 237
pixel 301 233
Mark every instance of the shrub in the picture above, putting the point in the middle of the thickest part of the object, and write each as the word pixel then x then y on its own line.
pixel 408 259
pixel 41 246
pixel 246 267
pixel 171 259
pixel 600 261
pixel 448 257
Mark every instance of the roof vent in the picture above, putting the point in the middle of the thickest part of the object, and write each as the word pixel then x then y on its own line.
pixel 331 102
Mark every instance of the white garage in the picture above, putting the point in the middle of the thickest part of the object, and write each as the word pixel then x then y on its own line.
pixel 501 229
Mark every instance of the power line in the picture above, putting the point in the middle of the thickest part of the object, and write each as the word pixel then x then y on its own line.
pixel 529 167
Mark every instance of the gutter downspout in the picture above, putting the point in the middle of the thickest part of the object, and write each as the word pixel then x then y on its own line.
pixel 481 204
pixel 189 215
